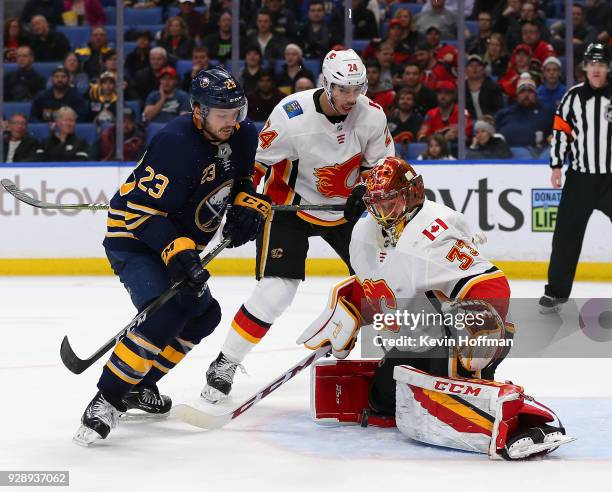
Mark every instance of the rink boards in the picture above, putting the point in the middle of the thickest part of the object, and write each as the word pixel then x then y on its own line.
pixel 513 203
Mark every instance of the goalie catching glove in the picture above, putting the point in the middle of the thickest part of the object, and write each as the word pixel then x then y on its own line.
pixel 247 215
pixel 338 325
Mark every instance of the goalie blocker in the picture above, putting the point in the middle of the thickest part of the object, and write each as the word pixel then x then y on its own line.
pixel 476 415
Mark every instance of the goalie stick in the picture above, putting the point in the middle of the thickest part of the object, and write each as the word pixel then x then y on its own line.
pixel 30 200
pixel 205 420
pixel 77 365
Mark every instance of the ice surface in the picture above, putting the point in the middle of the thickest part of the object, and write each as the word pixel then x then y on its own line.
pixel 275 445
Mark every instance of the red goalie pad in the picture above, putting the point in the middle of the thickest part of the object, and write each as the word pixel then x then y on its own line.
pixel 339 393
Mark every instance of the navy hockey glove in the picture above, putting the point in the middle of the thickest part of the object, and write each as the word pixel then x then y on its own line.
pixel 354 206
pixel 246 217
pixel 184 263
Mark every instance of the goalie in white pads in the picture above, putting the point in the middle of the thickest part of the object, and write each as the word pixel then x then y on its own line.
pixel 408 248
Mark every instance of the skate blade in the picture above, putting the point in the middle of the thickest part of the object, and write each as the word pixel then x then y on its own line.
pixel 213 395
pixel 550 310
pixel 85 436
pixel 525 452
pixel 141 416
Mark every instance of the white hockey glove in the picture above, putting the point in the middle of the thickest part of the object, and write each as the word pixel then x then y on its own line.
pixel 338 325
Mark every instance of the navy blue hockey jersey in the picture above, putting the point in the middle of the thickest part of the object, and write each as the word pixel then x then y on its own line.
pixel 180 187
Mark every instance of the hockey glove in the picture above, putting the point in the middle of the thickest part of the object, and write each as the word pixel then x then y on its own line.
pixel 184 263
pixel 246 217
pixel 354 206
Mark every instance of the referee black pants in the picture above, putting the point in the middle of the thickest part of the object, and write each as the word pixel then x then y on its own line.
pixel 582 193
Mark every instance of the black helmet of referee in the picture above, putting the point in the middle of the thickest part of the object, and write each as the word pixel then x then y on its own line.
pixel 597 52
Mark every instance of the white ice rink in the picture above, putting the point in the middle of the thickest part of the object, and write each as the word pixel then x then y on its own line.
pixel 275 445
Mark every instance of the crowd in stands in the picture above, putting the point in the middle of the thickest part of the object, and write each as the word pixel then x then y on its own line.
pixel 515 63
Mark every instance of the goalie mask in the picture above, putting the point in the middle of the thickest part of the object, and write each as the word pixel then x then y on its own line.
pixel 394 193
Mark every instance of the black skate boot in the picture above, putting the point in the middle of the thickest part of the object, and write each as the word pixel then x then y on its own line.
pixel 219 379
pixel 99 418
pixel 144 400
pixel 549 304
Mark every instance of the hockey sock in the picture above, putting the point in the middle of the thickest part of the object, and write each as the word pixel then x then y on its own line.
pixel 172 354
pixel 246 332
pixel 130 361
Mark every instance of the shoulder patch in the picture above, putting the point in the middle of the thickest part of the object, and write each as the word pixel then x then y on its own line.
pixel 434 229
pixel 293 108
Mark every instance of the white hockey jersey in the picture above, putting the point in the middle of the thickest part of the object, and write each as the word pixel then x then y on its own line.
pixel 434 254
pixel 309 160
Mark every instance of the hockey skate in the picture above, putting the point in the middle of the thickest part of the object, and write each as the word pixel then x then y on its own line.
pixel 549 305
pixel 219 379
pixel 99 418
pixel 535 442
pixel 145 402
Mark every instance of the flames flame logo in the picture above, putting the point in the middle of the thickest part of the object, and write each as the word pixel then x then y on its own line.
pixel 338 180
pixel 378 298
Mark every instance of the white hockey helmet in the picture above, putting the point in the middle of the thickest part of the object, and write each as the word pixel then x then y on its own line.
pixel 343 68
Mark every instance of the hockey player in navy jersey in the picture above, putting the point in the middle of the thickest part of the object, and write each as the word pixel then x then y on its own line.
pixel 168 209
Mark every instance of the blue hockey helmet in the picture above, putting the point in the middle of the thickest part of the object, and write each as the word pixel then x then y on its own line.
pixel 217 88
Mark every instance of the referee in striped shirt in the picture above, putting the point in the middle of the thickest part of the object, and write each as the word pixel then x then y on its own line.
pixel 582 132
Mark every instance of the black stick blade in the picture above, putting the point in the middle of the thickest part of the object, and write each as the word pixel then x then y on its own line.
pixel 70 359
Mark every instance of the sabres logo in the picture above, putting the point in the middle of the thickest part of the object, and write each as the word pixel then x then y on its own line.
pixel 338 180
pixel 204 83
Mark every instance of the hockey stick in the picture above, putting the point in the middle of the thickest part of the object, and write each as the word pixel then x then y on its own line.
pixel 77 365
pixel 205 420
pixel 30 200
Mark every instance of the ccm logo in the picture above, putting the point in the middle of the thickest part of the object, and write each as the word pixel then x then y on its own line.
pixel 459 389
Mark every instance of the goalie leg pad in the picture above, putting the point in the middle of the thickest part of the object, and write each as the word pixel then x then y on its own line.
pixel 474 415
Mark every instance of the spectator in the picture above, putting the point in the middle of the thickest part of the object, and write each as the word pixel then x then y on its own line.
pixel 444 119
pixel 483 96
pixel 364 22
pixel 452 5
pixel 437 150
pixel 401 51
pixel 19 145
pixel 584 34
pixel 199 61
pixel 220 43
pixel 146 79
pixel 103 99
pixel 388 69
pixel 47 45
pixel 283 20
pixel 83 12
pixel 599 15
pixel 552 90
pixel 263 100
pixel 442 52
pixel 168 102
pixel 139 58
pixel 440 17
pixel 303 84
pixel 197 23
pixel 512 26
pixel 63 145
pixel 270 44
pixel 540 50
pixel 51 10
pixel 14 37
pixel 432 70
pixel 46 104
pixel 175 38
pixel 133 139
pixel 92 55
pixel 487 144
pixel 24 83
pixel 141 4
pixel 76 77
pixel 520 62
pixel 425 98
pixel 252 68
pixel 404 122
pixel 292 69
pixel 315 35
pixel 496 57
pixel 526 122
pixel 381 94
pixel 478 44
pixel 411 37
pixel 507 14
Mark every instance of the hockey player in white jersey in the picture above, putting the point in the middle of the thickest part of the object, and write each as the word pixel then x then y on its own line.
pixel 313 149
pixel 408 249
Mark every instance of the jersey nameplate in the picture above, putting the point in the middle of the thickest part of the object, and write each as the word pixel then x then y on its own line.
pixel 293 108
